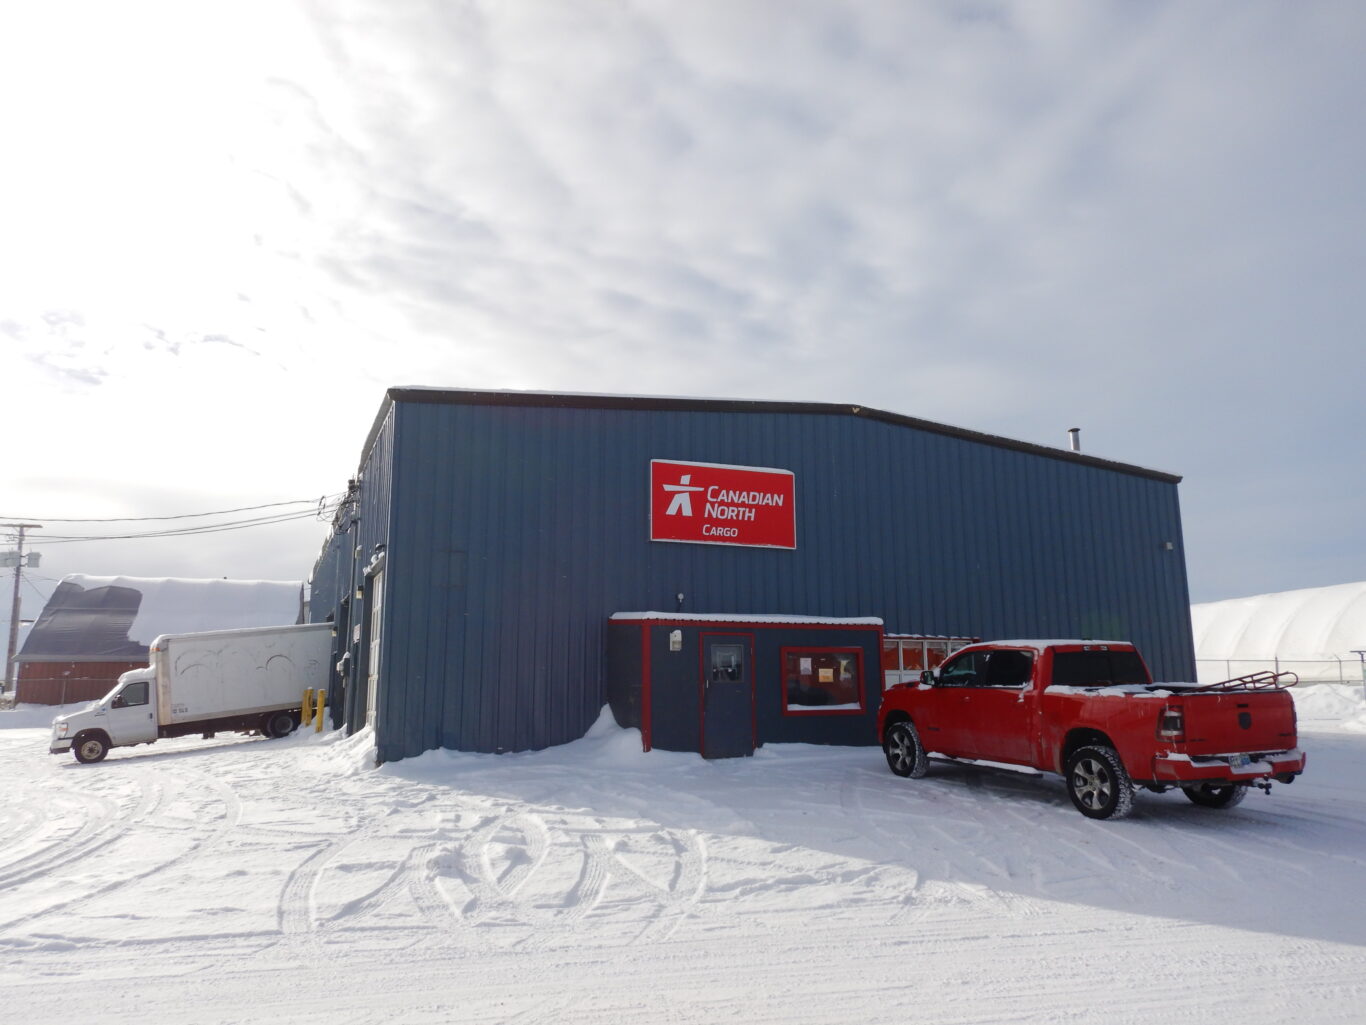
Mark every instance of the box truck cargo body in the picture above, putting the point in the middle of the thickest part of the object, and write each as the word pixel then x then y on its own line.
pixel 244 680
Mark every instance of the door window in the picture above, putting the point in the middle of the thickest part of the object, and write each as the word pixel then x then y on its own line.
pixel 133 694
pixel 727 662
pixel 1008 668
pixel 966 670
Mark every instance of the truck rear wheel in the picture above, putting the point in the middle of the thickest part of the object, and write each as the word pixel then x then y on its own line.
pixel 278 724
pixel 90 747
pixel 905 753
pixel 1213 795
pixel 1098 783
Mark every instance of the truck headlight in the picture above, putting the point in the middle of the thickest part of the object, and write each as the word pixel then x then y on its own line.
pixel 62 728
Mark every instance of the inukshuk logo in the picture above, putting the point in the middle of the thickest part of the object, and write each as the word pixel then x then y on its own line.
pixel 681 505
pixel 736 505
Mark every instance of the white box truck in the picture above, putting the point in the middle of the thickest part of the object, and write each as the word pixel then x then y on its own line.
pixel 245 680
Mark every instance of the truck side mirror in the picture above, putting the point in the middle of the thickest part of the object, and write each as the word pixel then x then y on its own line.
pixel 927 677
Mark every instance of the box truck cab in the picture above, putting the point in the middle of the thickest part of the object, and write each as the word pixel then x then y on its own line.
pixel 250 681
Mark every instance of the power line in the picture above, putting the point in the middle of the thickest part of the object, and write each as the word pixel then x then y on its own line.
pixel 208 528
pixel 182 516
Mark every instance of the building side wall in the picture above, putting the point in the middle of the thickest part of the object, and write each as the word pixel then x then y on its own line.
pixel 340 583
pixel 625 671
pixel 516 531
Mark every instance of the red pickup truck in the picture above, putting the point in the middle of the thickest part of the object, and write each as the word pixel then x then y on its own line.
pixel 1089 711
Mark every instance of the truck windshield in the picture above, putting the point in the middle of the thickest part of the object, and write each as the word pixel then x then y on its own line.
pixel 1096 668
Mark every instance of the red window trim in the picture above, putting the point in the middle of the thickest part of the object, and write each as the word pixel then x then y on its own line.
pixel 646 712
pixel 810 711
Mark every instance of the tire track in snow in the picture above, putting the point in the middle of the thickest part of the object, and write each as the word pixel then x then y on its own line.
pixel 926 893
pixel 681 897
pixel 501 859
pixel 295 908
pixel 227 822
pixel 94 834
pixel 20 819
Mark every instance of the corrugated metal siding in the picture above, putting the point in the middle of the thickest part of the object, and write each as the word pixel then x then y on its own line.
pixel 518 530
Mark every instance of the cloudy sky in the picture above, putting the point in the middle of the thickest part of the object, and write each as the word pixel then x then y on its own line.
pixel 225 229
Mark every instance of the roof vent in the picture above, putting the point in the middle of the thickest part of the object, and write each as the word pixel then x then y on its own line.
pixel 1074 438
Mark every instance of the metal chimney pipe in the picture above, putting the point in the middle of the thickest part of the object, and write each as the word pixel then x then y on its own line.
pixel 1074 438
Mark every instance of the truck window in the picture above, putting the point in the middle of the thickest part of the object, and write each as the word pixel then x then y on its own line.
pixel 965 670
pixel 1008 668
pixel 1098 668
pixel 133 694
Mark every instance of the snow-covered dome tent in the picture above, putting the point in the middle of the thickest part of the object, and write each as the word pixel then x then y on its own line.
pixel 1312 632
pixel 93 629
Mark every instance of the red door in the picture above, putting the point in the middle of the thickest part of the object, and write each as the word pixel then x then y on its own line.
pixel 947 705
pixel 1001 709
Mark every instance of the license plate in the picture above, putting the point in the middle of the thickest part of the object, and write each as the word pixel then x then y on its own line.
pixel 1239 761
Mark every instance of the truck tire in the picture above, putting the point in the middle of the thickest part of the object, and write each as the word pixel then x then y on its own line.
pixel 905 753
pixel 1213 795
pixel 1098 783
pixel 90 747
pixel 278 724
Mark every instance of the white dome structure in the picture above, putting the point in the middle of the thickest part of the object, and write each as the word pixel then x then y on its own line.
pixel 1312 632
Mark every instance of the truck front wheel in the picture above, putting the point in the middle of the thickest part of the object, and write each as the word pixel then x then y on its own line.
pixel 90 747
pixel 1098 783
pixel 1212 795
pixel 905 753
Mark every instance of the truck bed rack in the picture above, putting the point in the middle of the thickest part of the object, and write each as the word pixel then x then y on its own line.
pixel 1265 680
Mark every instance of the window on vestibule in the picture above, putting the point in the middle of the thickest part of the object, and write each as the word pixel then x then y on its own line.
pixel 819 680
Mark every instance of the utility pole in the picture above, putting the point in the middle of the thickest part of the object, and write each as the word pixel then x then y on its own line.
pixel 14 608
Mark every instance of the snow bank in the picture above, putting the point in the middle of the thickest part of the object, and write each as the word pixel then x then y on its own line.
pixel 1329 703
pixel 606 746
pixel 28 717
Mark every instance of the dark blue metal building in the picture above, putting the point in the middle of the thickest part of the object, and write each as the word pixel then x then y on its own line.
pixel 489 536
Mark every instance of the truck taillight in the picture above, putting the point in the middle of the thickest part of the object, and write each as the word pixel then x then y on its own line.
pixel 1172 724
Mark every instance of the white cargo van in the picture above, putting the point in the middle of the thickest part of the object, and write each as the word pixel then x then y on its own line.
pixel 245 680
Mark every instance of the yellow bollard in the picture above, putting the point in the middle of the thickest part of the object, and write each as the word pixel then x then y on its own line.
pixel 306 710
pixel 322 702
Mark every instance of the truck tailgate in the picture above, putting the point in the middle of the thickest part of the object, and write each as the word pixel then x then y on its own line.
pixel 1237 721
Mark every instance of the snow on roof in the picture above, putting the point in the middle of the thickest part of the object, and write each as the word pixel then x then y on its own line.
pixel 118 617
pixel 1313 623
pixel 729 617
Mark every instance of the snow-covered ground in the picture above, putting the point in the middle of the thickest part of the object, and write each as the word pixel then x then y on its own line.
pixel 246 880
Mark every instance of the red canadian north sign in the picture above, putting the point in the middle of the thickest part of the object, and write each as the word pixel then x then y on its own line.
pixel 715 504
